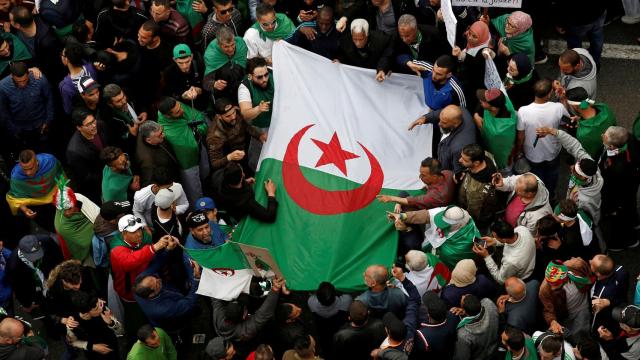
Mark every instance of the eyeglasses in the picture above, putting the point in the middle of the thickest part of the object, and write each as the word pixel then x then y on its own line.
pixel 263 76
pixel 132 223
pixel 267 24
pixel 226 11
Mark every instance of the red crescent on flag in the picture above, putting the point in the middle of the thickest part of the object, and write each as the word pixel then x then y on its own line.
pixel 224 271
pixel 326 202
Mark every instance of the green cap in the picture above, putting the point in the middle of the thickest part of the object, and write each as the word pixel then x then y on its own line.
pixel 449 216
pixel 181 51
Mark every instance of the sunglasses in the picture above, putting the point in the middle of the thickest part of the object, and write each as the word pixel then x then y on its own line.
pixel 132 223
pixel 263 76
pixel 226 11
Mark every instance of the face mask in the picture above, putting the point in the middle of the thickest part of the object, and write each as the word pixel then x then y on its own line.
pixel 613 152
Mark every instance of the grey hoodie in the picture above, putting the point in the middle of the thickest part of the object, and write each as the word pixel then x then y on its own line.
pixel 536 209
pixel 589 196
pixel 478 339
pixel 587 81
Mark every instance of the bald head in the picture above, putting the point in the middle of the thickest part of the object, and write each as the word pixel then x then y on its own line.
pixel 376 275
pixel 515 287
pixel 527 186
pixel 602 266
pixel 10 330
pixel 450 118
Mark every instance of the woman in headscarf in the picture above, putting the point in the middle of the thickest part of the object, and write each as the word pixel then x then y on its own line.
pixel 471 70
pixel 516 35
pixel 520 79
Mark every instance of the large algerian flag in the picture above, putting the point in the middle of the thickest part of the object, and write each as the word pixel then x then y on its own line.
pixel 337 139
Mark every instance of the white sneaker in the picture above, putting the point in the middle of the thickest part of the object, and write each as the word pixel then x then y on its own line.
pixel 630 19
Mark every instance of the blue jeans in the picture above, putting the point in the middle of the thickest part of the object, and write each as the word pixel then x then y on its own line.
pixel 548 172
pixel 594 31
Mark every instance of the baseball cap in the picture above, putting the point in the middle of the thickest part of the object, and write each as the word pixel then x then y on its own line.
pixel 111 209
pixel 181 51
pixel 164 198
pixel 86 83
pixel 217 348
pixel 196 219
pixel 450 216
pixel 130 223
pixel 493 96
pixel 205 203
pixel 628 315
pixel 396 328
pixel 30 247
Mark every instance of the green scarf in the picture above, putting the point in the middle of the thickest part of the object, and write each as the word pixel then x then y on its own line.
pixel 179 135
pixel 118 240
pixel 115 185
pixel 20 51
pixel 590 130
pixel 521 43
pixel 415 47
pixel 509 80
pixel 214 58
pixel 184 8
pixel 458 246
pixel 284 28
pixel 499 134
pixel 77 232
pixel 257 94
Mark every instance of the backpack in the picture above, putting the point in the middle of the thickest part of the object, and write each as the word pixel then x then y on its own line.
pixel 100 249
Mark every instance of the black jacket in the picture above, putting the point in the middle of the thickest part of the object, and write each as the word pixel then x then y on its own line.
pixel 47 50
pixel 150 157
pixel 23 279
pixel 85 165
pixel 358 342
pixel 241 202
pixel 112 24
pixel 432 46
pixel 376 54
pixel 175 82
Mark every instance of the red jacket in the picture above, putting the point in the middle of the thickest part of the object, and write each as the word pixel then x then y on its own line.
pixel 127 263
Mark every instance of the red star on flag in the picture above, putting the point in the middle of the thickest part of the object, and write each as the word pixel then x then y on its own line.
pixel 332 153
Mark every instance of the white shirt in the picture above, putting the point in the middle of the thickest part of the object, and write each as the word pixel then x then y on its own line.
pixel 533 116
pixel 143 202
pixel 518 259
pixel 256 46
pixel 244 95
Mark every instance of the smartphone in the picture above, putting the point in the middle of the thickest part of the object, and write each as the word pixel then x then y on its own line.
pixel 481 243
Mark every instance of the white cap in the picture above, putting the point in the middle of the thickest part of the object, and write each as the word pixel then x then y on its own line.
pixel 130 223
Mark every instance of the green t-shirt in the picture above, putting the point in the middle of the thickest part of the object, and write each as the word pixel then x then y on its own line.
pixel 166 350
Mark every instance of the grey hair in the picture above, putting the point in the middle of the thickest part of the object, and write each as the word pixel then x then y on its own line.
pixel 416 260
pixel 617 135
pixel 147 128
pixel 110 91
pixel 408 20
pixel 360 26
pixel 512 291
pixel 225 35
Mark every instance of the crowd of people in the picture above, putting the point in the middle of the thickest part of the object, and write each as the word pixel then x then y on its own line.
pixel 131 131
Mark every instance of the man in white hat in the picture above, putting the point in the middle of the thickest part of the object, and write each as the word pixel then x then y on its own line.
pixel 450 231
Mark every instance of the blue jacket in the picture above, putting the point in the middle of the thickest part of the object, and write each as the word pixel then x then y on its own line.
pixel 217 238
pixel 25 108
pixel 5 287
pixel 69 87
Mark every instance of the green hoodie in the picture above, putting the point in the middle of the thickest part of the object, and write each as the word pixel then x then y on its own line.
pixel 178 133
pixel 590 130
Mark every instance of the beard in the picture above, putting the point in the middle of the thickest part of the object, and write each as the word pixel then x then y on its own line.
pixel 445 131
